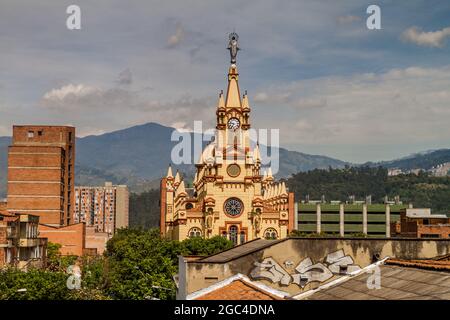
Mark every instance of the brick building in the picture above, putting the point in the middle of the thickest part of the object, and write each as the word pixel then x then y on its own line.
pixel 105 208
pixel 20 244
pixel 72 238
pixel 420 223
pixel 41 172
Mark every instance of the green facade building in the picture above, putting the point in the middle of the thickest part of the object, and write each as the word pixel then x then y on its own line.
pixel 342 219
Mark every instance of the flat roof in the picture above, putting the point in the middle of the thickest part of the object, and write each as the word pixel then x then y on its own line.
pixel 397 283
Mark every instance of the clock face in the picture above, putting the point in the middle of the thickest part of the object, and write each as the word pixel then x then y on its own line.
pixel 233 170
pixel 233 207
pixel 233 124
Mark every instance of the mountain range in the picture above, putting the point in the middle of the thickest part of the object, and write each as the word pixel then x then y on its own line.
pixel 138 156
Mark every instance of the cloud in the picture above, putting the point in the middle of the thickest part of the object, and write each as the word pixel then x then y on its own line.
pixel 176 38
pixel 261 97
pixel 311 103
pixel 348 19
pixel 362 109
pixel 125 77
pixel 434 39
pixel 102 109
pixel 70 92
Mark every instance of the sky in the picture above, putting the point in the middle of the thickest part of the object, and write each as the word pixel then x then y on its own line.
pixel 311 68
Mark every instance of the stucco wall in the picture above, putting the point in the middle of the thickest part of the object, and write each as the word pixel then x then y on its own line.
pixel 290 253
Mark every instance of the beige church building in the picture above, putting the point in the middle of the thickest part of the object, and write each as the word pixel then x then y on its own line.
pixel 232 195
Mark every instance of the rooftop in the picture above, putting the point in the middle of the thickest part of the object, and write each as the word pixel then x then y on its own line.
pixel 237 287
pixel 239 251
pixel 400 280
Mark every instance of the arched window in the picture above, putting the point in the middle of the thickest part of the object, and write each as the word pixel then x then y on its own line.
pixel 242 237
pixel 233 234
pixel 189 206
pixel 195 232
pixel 270 233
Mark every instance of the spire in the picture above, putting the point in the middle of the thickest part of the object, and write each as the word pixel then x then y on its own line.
pixel 181 188
pixel 233 98
pixel 177 178
pixel 221 103
pixel 283 189
pixel 269 174
pixel 245 101
pixel 169 172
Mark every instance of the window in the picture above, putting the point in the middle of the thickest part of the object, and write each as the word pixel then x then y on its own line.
pixel 233 233
pixel 233 207
pixel 40 133
pixel 429 235
pixel 242 237
pixel 189 206
pixel 270 233
pixel 194 232
pixel 30 134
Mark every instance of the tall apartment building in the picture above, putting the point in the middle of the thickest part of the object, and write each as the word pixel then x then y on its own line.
pixel 41 173
pixel 105 208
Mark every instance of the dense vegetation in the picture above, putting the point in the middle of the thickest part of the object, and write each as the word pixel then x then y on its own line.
pixel 137 264
pixel 421 190
pixel 144 209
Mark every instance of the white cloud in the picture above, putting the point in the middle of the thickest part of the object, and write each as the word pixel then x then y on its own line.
pixel 261 97
pixel 429 39
pixel 70 91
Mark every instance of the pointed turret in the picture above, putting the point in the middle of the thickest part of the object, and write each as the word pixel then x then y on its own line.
pixel 233 98
pixel 245 104
pixel 169 172
pixel 195 177
pixel 181 189
pixel 221 103
pixel 269 175
pixel 177 178
pixel 283 191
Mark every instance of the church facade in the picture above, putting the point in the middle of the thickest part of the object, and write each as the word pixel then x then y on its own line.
pixel 232 196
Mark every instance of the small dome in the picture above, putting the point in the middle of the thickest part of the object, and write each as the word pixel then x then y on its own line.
pixel 208 154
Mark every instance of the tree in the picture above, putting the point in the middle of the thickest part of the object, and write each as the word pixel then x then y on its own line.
pixel 142 263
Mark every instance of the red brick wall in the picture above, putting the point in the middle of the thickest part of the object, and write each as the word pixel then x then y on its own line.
pixel 291 212
pixel 442 230
pixel 49 156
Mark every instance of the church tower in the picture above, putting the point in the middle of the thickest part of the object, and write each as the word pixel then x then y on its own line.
pixel 230 196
